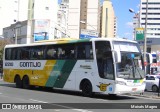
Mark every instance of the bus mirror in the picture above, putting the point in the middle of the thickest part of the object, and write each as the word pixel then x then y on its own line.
pixel 117 55
pixel 150 58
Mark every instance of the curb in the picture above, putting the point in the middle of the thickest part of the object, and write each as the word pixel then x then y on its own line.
pixel 147 96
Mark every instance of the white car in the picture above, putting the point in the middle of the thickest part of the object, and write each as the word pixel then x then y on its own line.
pixel 152 82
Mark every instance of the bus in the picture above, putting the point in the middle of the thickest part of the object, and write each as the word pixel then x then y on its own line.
pixel 96 65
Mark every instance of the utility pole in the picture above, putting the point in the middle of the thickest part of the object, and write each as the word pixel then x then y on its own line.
pixel 145 35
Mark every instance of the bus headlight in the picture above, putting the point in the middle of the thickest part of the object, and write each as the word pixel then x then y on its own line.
pixel 144 82
pixel 121 83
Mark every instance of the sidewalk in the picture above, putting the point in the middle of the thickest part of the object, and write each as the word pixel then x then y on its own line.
pixel 153 95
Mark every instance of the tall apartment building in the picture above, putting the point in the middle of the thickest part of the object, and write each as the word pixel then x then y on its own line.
pixel 83 10
pixel 153 19
pixel 153 24
pixel 109 21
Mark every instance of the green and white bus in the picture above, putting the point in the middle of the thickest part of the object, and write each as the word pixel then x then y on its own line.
pixel 97 65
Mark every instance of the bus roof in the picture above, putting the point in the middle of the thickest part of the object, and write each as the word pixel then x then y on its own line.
pixel 67 40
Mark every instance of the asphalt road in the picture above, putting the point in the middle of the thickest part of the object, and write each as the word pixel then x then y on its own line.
pixel 67 101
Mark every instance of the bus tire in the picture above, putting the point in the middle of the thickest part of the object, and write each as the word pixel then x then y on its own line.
pixel 87 88
pixel 26 84
pixel 18 81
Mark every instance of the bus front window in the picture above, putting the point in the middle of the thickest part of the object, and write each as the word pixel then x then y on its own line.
pixel 130 68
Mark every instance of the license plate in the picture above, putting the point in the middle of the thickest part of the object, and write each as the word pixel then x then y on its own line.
pixel 134 89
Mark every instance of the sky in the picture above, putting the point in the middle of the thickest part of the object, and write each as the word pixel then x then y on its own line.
pixel 124 17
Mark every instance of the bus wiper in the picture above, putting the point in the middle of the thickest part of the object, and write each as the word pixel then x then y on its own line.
pixel 136 68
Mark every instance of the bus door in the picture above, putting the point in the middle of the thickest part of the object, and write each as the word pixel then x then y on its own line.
pixel 105 64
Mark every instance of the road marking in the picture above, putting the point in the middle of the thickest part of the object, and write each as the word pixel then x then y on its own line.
pixel 102 100
pixel 56 110
pixel 38 101
pixel 80 110
pixel 0 93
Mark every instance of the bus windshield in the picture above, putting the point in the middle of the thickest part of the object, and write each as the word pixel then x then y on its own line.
pixel 129 67
pixel 131 59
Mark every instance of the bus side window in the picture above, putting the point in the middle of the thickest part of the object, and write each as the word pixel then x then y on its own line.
pixel 51 52
pixel 89 52
pixel 81 53
pixel 84 50
pixel 8 53
pixel 37 52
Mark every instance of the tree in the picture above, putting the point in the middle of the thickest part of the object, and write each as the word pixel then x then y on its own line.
pixel 3 43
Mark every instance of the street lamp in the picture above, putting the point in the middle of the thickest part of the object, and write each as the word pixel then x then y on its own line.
pixel 132 11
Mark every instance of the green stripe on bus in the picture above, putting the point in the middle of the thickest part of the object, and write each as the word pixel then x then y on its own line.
pixel 60 73
pixel 55 73
pixel 65 72
pixel 136 81
pixel 79 40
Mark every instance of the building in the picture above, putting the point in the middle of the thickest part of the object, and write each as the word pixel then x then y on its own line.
pixel 40 19
pixel 153 24
pixel 153 19
pixel 62 20
pixel 109 21
pixel 12 11
pixel 83 14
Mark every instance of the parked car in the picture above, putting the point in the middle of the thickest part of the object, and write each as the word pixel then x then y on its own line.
pixel 156 73
pixel 152 82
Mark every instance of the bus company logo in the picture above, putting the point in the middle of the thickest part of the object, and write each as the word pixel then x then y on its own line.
pixel 6 106
pixel 103 87
pixel 8 63
pixel 30 64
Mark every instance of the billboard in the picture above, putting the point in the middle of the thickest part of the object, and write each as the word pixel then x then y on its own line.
pixel 41 29
pixel 88 34
pixel 41 36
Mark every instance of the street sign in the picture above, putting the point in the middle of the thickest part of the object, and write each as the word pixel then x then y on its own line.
pixel 139 33
pixel 88 34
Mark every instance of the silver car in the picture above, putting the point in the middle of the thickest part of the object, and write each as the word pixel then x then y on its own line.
pixel 152 82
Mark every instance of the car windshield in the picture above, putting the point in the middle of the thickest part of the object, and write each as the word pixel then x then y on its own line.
pixel 130 66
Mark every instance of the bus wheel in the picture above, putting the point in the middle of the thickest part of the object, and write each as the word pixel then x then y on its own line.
pixel 87 88
pixel 154 88
pixel 26 84
pixel 18 82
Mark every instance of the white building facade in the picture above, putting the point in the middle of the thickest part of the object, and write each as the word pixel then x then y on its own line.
pixel 153 24
pixel 83 10
pixel 153 19
pixel 62 20
pixel 38 16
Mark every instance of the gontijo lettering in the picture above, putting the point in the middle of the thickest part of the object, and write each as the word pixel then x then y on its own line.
pixel 30 64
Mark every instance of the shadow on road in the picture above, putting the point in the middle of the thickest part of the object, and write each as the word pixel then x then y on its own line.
pixel 67 92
